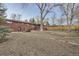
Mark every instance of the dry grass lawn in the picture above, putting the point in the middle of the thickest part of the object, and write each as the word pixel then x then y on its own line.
pixel 37 44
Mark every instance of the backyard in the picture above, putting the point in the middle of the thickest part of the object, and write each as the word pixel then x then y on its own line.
pixel 50 43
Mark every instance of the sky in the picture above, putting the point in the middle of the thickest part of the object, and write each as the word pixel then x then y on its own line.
pixel 27 11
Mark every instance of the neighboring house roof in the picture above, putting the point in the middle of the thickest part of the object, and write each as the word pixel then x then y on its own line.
pixel 20 21
pixel 17 21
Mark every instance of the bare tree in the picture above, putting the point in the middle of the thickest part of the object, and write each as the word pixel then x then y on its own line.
pixel 37 19
pixel 65 10
pixel 13 16
pixel 46 21
pixel 53 18
pixel 32 20
pixel 77 16
pixel 44 9
pixel 60 21
pixel 26 20
pixel 16 16
pixel 72 13
pixel 68 10
pixel 19 16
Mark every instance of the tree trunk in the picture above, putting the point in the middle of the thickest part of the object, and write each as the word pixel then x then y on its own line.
pixel 41 27
pixel 70 24
pixel 67 21
pixel 78 26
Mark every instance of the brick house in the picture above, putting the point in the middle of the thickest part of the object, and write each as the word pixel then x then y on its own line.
pixel 16 25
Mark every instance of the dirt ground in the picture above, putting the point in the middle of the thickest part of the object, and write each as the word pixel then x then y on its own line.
pixel 37 44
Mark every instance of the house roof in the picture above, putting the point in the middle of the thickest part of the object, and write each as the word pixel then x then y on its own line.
pixel 18 21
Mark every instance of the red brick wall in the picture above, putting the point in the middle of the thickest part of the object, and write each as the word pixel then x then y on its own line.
pixel 22 26
pixel 16 26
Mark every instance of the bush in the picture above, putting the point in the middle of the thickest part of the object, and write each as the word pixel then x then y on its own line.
pixel 3 33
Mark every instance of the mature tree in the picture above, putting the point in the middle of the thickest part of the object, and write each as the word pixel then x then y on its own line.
pixel 13 16
pixel 26 20
pixel 37 19
pixel 77 16
pixel 19 16
pixel 60 21
pixel 2 12
pixel 32 20
pixel 65 10
pixel 45 21
pixel 3 29
pixel 53 18
pixel 44 9
pixel 72 12
pixel 16 16
pixel 68 10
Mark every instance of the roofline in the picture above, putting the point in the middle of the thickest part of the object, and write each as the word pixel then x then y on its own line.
pixel 21 21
